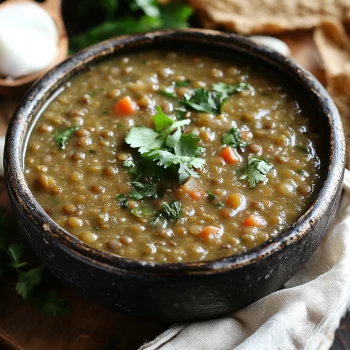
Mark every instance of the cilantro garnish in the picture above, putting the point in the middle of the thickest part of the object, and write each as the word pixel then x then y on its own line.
pixel 61 138
pixel 141 190
pixel 32 283
pixel 172 211
pixel 167 148
pixel 122 200
pixel 229 89
pixel 182 83
pixel 233 138
pixel 167 94
pixel 256 171
pixel 211 197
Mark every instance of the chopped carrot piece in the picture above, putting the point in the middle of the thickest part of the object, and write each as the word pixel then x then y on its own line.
pixel 125 106
pixel 255 220
pixel 196 194
pixel 211 233
pixel 230 155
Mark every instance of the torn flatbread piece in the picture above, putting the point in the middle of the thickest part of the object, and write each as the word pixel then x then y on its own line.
pixel 333 46
pixel 268 16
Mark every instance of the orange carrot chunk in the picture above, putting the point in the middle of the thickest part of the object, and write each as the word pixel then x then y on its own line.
pixel 125 106
pixel 196 194
pixel 230 156
pixel 255 221
pixel 211 232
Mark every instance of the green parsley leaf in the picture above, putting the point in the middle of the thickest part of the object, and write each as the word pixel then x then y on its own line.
pixel 182 83
pixel 211 197
pixel 172 211
pixel 122 200
pixel 141 190
pixel 203 100
pixel 220 205
pixel 145 139
pixel 15 252
pixel 50 303
pixel 186 164
pixel 61 138
pixel 229 89
pixel 168 94
pixel 256 171
pixel 28 281
pixel 161 120
pixel 233 138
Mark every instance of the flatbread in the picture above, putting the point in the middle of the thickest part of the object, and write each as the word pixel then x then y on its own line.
pixel 333 46
pixel 268 16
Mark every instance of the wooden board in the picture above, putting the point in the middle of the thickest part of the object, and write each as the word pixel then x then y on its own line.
pixel 89 326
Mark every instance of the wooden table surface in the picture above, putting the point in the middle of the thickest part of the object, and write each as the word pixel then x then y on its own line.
pixel 89 326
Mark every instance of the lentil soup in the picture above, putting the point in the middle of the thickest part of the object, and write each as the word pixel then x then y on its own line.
pixel 173 157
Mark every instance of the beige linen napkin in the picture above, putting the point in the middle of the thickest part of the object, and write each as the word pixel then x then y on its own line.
pixel 301 316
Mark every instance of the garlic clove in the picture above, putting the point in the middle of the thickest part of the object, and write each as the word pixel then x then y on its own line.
pixel 272 43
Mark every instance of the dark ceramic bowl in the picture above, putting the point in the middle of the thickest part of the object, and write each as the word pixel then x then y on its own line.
pixel 182 291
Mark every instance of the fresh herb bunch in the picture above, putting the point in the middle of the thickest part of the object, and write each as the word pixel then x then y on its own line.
pixel 167 146
pixel 127 17
pixel 32 281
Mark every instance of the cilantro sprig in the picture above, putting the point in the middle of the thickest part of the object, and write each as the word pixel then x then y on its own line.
pixel 61 138
pixel 208 101
pixel 32 280
pixel 256 171
pixel 167 146
pixel 233 138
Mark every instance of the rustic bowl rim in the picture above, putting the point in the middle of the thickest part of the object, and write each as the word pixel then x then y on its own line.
pixel 31 105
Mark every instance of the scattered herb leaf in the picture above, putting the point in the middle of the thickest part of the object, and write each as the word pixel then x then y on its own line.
pixel 256 171
pixel 220 205
pixel 142 190
pixel 143 211
pixel 61 138
pixel 55 201
pixel 129 162
pixel 233 138
pixel 172 211
pixel 182 83
pixel 51 303
pixel 229 89
pixel 211 197
pixel 28 281
pixel 92 151
pixel 168 94
pixel 122 200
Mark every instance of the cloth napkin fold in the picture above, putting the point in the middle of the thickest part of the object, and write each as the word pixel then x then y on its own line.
pixel 304 315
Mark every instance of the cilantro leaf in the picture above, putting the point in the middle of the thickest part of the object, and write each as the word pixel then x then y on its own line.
pixel 186 164
pixel 229 89
pixel 256 171
pixel 51 303
pixel 142 190
pixel 211 197
pixel 172 211
pixel 161 120
pixel 182 83
pixel 168 94
pixel 28 281
pixel 233 138
pixel 61 138
pixel 122 200
pixel 143 138
pixel 15 252
pixel 203 100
